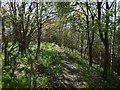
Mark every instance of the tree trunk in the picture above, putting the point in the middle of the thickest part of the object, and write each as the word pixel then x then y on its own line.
pixel 114 33
pixel 106 61
pixel 5 43
pixel 90 55
pixel 5 53
pixel 39 26
pixel 104 40
pixel 106 44
pixel 90 42
pixel 82 44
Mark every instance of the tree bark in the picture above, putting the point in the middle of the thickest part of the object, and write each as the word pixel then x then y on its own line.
pixel 114 33
pixel 90 40
pixel 82 44
pixel 5 43
pixel 104 40
pixel 39 26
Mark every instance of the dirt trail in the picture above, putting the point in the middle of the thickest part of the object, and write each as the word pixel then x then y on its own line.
pixel 71 73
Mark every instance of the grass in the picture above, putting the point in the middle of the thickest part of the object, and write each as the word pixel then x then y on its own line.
pixel 50 66
pixel 51 63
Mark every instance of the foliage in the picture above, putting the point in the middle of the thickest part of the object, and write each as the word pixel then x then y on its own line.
pixel 91 77
pixel 31 32
pixel 49 59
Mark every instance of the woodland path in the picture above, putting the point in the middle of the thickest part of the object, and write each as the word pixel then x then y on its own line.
pixel 71 75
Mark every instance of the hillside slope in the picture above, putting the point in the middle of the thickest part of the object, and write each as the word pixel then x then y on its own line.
pixel 57 67
pixel 91 77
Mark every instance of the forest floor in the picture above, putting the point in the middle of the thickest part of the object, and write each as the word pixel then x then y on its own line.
pixel 71 73
pixel 63 68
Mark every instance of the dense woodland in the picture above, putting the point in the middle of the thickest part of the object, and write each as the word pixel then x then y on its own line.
pixel 60 44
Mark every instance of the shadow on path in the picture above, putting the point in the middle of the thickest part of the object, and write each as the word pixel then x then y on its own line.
pixel 71 75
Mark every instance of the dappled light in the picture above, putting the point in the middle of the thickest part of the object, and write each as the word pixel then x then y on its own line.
pixel 60 45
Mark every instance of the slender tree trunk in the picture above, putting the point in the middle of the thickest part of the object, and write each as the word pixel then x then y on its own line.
pixel 5 43
pixel 5 53
pixel 114 33
pixel 90 55
pixel 90 47
pixel 39 26
pixel 39 33
pixel 104 40
pixel 90 41
pixel 88 33
pixel 106 61
pixel 106 44
pixel 82 44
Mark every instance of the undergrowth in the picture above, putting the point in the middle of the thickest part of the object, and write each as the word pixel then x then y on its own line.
pixel 91 77
pixel 19 73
